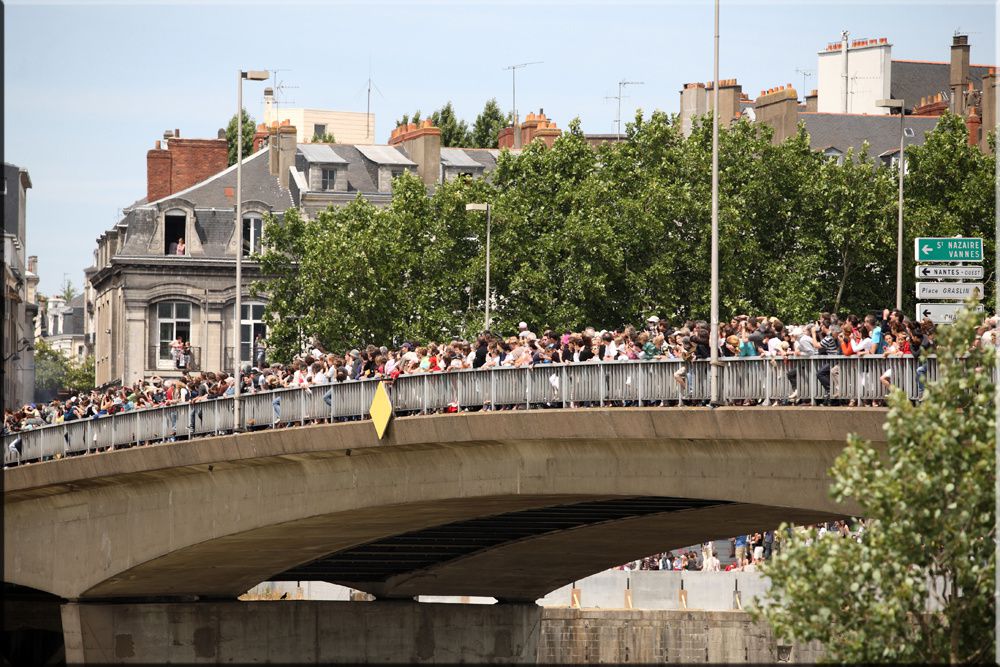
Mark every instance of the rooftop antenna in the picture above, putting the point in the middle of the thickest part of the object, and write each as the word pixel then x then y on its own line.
pixel 622 84
pixel 513 89
pixel 614 97
pixel 368 110
pixel 279 88
pixel 806 73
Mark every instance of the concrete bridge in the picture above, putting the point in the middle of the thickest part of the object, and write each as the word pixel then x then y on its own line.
pixel 507 504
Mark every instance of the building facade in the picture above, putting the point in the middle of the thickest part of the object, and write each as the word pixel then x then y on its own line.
pixel 61 326
pixel 348 127
pixel 166 272
pixel 19 287
pixel 843 112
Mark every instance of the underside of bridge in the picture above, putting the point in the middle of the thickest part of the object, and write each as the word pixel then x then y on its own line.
pixel 509 505
pixel 525 554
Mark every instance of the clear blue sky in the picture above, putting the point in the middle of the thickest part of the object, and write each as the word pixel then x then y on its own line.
pixel 89 87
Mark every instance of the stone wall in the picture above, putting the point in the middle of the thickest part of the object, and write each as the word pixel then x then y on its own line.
pixel 575 636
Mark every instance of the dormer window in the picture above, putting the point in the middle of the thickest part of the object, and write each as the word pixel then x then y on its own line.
pixel 174 227
pixel 253 232
pixel 328 179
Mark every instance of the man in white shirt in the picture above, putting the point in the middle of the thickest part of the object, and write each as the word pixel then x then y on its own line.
pixel 710 564
pixel 524 333
pixel 806 345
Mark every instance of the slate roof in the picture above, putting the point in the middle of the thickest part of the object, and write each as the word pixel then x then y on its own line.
pixel 844 131
pixel 913 79
pixel 456 157
pixel 386 155
pixel 321 153
pixel 213 209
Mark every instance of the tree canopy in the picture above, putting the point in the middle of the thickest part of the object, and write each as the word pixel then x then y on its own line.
pixel 54 372
pixel 456 132
pixel 605 236
pixel 249 128
pixel 928 499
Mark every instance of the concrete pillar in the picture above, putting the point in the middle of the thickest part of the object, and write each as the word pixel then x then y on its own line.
pixel 988 105
pixel 300 632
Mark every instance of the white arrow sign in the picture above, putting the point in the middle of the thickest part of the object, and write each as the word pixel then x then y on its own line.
pixel 941 313
pixel 973 272
pixel 958 291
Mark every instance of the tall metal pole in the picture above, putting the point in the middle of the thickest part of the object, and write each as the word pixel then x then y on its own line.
pixel 899 231
pixel 488 226
pixel 714 327
pixel 620 84
pixel 239 249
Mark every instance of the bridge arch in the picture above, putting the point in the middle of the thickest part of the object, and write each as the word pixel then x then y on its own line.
pixel 214 517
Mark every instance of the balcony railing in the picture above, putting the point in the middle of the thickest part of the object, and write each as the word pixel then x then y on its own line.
pixel 753 380
pixel 162 358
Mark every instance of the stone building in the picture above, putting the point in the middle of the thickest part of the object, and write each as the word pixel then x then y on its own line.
pixel 167 269
pixel 839 116
pixel 61 325
pixel 19 286
pixel 147 289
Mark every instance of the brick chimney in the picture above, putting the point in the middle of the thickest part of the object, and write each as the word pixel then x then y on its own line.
pixel 812 100
pixel 423 145
pixel 182 163
pixel 974 126
pixel 283 146
pixel 730 93
pixel 505 138
pixel 546 131
pixel 693 103
pixel 988 105
pixel 959 72
pixel 779 108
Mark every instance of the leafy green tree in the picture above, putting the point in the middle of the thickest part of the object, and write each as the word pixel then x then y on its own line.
pixel 325 138
pixel 80 376
pixel 454 131
pixel 406 120
pixel 488 124
pixel 249 128
pixel 68 292
pixel 929 502
pixel 50 371
pixel 949 189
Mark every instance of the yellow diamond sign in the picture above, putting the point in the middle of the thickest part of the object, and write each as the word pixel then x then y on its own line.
pixel 381 410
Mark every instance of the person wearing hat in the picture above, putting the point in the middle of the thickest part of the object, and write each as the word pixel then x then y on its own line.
pixel 523 332
pixel 652 324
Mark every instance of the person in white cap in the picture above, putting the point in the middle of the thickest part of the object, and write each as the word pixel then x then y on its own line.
pixel 653 324
pixel 524 333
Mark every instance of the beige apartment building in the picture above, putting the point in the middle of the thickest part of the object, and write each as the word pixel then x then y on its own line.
pixel 348 127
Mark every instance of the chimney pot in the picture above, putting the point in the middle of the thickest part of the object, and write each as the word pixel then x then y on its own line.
pixel 177 134
pixel 157 144
pixel 428 122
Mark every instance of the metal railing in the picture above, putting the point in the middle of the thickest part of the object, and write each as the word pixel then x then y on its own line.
pixel 743 381
pixel 162 358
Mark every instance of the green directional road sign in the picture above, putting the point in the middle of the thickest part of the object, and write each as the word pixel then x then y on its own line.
pixel 948 249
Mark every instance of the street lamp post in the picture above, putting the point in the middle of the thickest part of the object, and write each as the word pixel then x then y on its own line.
pixel 252 75
pixel 485 207
pixel 898 104
pixel 714 325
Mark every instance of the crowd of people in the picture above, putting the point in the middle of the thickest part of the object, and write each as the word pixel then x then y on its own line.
pixel 747 552
pixel 891 335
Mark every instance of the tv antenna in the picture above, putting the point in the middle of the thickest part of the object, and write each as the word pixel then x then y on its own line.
pixel 279 88
pixel 513 86
pixel 621 85
pixel 368 109
pixel 806 73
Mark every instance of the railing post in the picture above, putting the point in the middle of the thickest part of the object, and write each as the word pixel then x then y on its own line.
pixel 527 388
pixel 493 389
pixel 425 392
pixel 600 381
pixel 563 384
pixel 641 385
